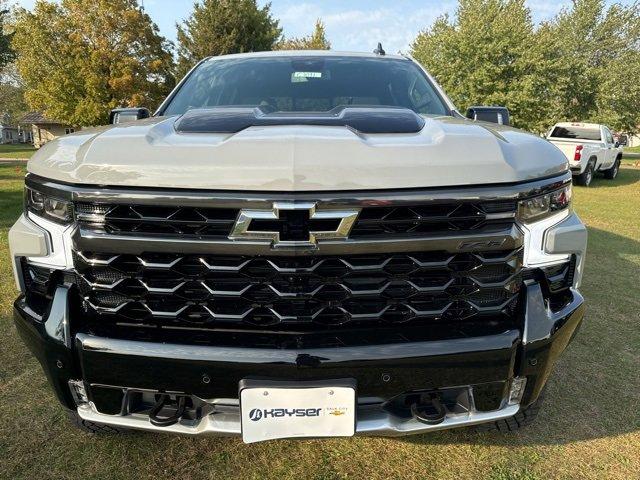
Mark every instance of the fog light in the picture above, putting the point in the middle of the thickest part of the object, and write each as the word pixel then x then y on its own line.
pixel 517 390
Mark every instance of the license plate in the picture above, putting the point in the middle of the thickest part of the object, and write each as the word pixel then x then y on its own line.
pixel 269 412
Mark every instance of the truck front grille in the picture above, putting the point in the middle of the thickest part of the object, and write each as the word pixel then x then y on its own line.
pixel 298 293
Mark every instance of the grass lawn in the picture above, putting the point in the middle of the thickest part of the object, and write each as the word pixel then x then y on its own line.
pixel 589 428
pixel 632 149
pixel 631 156
pixel 18 150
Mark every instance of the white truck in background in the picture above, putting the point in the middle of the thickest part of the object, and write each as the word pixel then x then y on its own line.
pixel 589 147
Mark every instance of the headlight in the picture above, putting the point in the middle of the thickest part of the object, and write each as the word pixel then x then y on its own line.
pixel 51 208
pixel 543 206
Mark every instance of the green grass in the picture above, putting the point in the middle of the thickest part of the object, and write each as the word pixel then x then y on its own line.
pixel 631 156
pixel 16 151
pixel 589 428
pixel 632 149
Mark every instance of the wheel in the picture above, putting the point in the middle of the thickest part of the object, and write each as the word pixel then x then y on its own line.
pixel 585 177
pixel 92 427
pixel 521 419
pixel 612 172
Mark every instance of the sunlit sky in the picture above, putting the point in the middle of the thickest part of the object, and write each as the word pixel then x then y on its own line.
pixel 351 25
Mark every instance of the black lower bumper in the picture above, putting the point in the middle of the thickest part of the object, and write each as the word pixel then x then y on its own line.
pixel 381 371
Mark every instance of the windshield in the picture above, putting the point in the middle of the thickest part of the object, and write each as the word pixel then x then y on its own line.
pixel 581 133
pixel 307 84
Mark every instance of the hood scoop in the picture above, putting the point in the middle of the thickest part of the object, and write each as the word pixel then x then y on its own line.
pixel 360 119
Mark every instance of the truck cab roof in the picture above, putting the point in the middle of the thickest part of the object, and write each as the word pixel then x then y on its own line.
pixel 308 53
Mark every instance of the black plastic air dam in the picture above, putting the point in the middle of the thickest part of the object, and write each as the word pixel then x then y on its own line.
pixel 367 120
pixel 409 366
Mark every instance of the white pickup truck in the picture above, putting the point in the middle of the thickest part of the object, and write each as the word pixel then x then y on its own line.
pixel 299 244
pixel 589 147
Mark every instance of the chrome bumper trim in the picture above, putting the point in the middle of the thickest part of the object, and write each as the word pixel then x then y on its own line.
pixel 373 422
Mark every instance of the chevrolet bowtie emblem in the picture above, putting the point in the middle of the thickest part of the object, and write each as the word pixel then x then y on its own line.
pixel 291 224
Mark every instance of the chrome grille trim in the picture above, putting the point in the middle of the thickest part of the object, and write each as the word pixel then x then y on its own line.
pixel 508 237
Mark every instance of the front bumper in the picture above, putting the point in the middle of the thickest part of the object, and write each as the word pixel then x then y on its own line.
pixel 484 366
pixel 372 421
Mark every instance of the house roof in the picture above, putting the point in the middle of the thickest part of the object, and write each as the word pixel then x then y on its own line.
pixel 38 117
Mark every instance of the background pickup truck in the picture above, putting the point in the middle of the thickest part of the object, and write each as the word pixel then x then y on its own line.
pixel 589 147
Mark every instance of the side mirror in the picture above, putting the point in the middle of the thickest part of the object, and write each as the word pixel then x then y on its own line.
pixel 499 115
pixel 617 144
pixel 122 115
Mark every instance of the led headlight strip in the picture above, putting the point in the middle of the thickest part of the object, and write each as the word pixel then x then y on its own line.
pixel 52 208
pixel 544 206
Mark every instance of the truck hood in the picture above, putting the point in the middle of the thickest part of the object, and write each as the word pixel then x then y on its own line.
pixel 151 153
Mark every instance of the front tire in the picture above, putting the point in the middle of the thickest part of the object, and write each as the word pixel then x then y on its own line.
pixel 586 177
pixel 612 172
pixel 523 418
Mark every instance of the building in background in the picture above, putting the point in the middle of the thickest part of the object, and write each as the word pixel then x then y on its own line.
pixel 43 129
pixel 9 134
pixel 633 140
pixel 25 135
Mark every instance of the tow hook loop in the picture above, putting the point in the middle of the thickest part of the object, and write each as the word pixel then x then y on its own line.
pixel 167 421
pixel 431 412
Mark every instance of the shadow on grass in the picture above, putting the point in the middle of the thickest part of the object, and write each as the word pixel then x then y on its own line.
pixel 594 391
pixel 10 207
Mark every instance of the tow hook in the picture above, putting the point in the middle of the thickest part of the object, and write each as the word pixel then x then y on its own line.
pixel 158 421
pixel 429 410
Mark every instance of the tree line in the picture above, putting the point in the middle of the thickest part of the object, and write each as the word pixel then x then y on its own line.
pixel 75 60
pixel 584 64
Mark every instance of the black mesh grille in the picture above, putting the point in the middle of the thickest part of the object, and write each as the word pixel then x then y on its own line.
pixel 373 221
pixel 299 293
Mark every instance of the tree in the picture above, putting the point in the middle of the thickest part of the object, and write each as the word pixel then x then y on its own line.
pixel 219 27
pixel 12 104
pixel 7 54
pixel 79 59
pixel 489 54
pixel 316 41
pixel 583 65
pixel 600 49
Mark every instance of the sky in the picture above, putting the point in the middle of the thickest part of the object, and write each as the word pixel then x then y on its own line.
pixel 356 25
